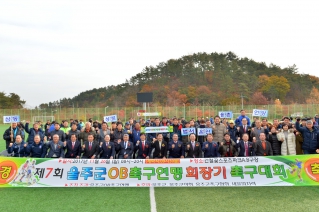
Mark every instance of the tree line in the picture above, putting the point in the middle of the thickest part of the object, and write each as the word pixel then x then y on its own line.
pixel 11 100
pixel 204 79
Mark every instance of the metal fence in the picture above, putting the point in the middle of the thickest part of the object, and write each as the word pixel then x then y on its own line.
pixel 124 113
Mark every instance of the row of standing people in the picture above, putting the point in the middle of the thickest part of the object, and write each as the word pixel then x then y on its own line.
pixel 143 149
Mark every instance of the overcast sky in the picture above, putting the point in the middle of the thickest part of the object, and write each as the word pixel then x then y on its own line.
pixel 56 49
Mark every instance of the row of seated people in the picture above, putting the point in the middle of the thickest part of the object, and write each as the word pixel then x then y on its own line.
pixel 124 149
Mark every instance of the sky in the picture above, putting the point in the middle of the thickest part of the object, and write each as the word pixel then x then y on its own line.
pixel 51 50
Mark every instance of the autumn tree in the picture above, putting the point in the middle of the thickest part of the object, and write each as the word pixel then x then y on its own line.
pixel 258 99
pixel 276 87
pixel 313 97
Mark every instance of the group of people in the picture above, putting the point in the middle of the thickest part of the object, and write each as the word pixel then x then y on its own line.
pixel 229 138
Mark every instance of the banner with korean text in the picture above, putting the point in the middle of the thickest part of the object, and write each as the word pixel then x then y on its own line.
pixel 301 170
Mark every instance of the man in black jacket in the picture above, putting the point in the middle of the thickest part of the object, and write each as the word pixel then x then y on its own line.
pixel 11 133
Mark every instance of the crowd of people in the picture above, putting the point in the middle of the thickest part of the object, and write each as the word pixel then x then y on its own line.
pixel 241 137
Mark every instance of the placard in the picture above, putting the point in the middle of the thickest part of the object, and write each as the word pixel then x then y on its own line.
pixel 149 114
pixel 225 114
pixel 260 113
pixel 112 118
pixel 187 131
pixel 11 119
pixel 204 131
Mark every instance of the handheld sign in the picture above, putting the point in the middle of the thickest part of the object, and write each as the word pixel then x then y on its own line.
pixel 160 129
pixel 187 131
pixel 260 113
pixel 204 131
pixel 11 119
pixel 149 114
pixel 226 114
pixel 112 118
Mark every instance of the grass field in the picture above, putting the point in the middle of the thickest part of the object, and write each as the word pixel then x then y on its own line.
pixel 167 199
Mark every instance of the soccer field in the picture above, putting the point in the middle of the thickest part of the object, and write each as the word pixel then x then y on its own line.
pixel 166 199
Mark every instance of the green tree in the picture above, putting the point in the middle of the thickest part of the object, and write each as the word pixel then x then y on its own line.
pixel 276 87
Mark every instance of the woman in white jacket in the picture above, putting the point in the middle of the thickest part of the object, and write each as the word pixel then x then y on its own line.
pixel 288 139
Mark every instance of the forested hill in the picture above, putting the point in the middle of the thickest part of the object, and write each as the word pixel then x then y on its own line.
pixel 209 79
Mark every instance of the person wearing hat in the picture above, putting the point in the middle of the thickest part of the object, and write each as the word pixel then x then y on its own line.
pixel 232 130
pixel 309 133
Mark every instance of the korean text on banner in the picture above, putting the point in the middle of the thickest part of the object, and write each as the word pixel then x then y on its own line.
pixel 204 131
pixel 226 114
pixel 298 170
pixel 187 131
pixel 112 118
pixel 162 129
pixel 260 113
pixel 11 119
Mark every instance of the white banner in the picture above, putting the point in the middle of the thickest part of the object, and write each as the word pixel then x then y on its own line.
pixel 155 129
pixel 204 131
pixel 187 131
pixel 240 171
pixel 260 113
pixel 149 114
pixel 112 118
pixel 11 119
pixel 225 114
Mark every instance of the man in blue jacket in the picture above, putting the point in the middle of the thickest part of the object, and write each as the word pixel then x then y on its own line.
pixel 107 149
pixel 239 118
pixel 33 131
pixel 36 149
pixel 176 148
pixel 210 147
pixel 18 148
pixel 309 133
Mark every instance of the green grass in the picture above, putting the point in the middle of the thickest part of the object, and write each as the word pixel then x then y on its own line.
pixel 75 199
pixel 3 128
pixel 167 199
pixel 237 199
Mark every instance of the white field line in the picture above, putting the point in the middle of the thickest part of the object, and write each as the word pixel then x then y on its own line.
pixel 152 199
